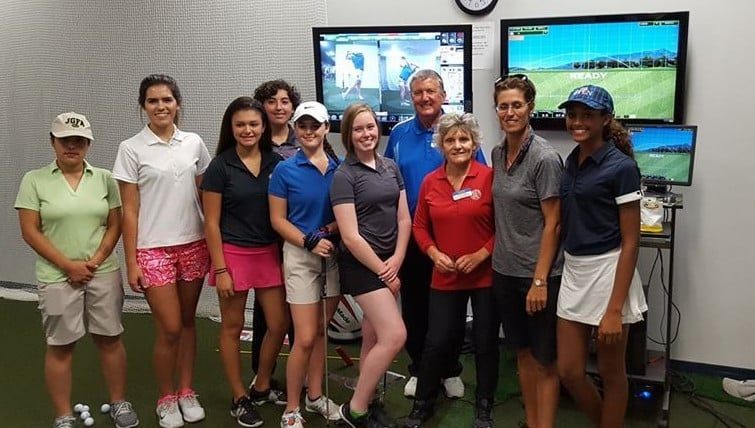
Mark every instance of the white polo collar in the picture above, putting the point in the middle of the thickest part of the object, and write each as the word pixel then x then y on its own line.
pixel 151 138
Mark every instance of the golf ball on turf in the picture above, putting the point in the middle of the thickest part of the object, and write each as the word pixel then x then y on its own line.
pixel 85 415
pixel 84 408
pixel 77 407
pixel 88 422
pixel 105 408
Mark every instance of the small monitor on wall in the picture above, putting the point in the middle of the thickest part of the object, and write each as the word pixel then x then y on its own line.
pixel 639 58
pixel 375 64
pixel 665 154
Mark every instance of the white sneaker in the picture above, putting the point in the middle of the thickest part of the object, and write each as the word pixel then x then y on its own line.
pixel 190 408
pixel 454 387
pixel 324 406
pixel 292 419
pixel 410 389
pixel 168 413
pixel 740 388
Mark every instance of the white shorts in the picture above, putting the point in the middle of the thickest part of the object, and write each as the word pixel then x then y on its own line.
pixel 68 313
pixel 301 272
pixel 586 286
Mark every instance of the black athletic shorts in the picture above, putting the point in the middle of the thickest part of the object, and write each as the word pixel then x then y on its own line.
pixel 355 277
pixel 522 331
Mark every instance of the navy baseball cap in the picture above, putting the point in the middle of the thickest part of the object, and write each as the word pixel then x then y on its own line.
pixel 592 96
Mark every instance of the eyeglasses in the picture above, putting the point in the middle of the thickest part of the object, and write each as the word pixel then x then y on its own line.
pixel 500 80
pixel 516 107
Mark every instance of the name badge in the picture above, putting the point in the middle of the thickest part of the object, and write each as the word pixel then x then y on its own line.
pixel 462 193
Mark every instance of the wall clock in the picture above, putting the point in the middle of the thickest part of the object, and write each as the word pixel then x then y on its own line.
pixel 476 7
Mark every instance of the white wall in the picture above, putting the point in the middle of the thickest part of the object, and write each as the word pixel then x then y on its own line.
pixel 56 57
pixel 716 229
pixel 90 56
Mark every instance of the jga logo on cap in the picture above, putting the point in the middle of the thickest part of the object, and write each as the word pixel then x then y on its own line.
pixel 75 122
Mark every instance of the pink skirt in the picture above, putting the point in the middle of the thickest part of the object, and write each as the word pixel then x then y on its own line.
pixel 252 267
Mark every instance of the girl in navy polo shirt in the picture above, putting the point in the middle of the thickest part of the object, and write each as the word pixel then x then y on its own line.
pixel 244 248
pixel 600 223
pixel 300 212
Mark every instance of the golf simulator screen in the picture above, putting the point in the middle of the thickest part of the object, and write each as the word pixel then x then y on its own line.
pixel 375 65
pixel 640 59
pixel 665 154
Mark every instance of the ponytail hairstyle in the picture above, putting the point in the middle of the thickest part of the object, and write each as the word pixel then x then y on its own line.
pixel 161 79
pixel 615 131
pixel 329 150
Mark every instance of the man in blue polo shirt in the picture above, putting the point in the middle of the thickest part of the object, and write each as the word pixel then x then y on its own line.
pixel 410 146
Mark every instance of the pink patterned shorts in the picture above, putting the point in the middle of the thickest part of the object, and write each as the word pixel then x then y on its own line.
pixel 167 265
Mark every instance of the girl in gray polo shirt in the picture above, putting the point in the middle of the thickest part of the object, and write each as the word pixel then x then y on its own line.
pixel 526 260
pixel 369 202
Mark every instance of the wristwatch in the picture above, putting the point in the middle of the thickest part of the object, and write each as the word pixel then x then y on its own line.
pixel 539 282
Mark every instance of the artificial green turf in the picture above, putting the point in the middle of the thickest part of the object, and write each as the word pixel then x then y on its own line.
pixel 24 401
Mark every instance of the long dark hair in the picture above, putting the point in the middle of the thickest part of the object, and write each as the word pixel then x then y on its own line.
pixel 160 79
pixel 329 150
pixel 615 132
pixel 226 139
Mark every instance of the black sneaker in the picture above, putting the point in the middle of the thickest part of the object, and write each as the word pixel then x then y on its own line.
pixel 361 422
pixel 483 418
pixel 244 412
pixel 379 415
pixel 422 410
pixel 269 395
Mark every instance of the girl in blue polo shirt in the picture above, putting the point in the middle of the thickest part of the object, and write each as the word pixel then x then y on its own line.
pixel 300 212
pixel 600 224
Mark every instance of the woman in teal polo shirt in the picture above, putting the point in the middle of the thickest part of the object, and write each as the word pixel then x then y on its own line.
pixel 70 216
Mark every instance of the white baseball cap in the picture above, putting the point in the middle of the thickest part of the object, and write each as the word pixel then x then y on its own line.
pixel 313 109
pixel 71 124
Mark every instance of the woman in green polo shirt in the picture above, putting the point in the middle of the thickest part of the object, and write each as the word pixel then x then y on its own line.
pixel 70 216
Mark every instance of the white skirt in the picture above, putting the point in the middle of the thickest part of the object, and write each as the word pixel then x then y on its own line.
pixel 586 286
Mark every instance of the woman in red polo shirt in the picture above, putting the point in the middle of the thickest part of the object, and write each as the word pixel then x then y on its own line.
pixel 454 226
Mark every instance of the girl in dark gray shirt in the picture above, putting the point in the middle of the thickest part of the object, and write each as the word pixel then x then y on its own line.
pixel 369 202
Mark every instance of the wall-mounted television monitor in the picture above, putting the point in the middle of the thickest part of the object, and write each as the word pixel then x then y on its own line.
pixel 375 65
pixel 639 58
pixel 665 154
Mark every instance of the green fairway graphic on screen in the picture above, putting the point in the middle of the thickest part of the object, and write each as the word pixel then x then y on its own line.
pixel 636 58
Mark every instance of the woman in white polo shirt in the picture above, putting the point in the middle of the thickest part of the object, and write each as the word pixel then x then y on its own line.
pixel 159 171
pixel 70 216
